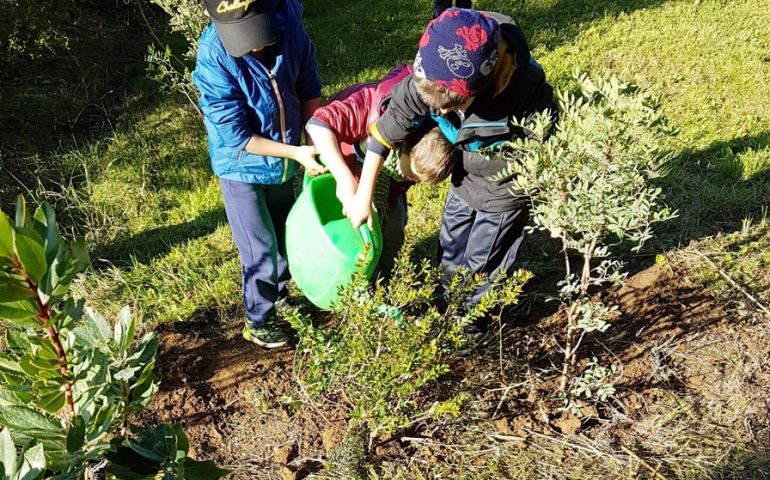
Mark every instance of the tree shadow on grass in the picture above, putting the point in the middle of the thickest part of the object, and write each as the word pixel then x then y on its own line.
pixel 716 188
pixel 157 242
pixel 67 98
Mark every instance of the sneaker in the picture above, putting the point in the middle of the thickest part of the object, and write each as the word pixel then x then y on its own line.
pixel 268 335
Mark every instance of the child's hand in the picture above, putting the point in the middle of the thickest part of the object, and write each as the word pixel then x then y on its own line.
pixel 359 210
pixel 306 156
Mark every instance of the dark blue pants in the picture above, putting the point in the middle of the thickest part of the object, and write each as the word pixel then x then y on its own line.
pixel 257 217
pixel 440 5
pixel 482 242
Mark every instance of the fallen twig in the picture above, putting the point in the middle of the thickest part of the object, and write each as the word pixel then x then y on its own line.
pixel 734 283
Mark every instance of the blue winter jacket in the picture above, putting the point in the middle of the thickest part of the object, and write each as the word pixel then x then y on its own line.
pixel 241 97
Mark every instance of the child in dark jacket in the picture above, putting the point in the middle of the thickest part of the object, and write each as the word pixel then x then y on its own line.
pixel 472 74
pixel 340 132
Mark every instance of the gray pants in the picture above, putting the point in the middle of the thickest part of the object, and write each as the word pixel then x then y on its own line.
pixel 392 235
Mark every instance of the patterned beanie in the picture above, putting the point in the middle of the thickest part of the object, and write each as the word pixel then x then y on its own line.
pixel 458 51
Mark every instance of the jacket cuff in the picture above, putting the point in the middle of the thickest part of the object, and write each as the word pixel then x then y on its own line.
pixel 378 148
pixel 375 133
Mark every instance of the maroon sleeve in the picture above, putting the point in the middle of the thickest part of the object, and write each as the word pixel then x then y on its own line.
pixel 347 117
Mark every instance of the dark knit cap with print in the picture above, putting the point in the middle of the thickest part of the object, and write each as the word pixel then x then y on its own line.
pixel 458 51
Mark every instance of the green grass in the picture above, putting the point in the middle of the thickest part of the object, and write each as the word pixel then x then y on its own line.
pixel 145 196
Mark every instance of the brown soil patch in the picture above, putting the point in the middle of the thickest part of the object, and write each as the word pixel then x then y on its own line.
pixel 690 370
pixel 228 395
pixel 693 385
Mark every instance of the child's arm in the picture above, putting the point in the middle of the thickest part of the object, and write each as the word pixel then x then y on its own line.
pixel 405 111
pixel 305 155
pixel 326 142
pixel 359 208
pixel 342 120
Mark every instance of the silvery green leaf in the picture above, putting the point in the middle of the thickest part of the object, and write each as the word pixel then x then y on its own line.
pixel 7 453
pixel 33 465
pixel 94 330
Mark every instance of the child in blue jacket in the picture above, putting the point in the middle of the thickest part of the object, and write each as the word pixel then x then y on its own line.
pixel 258 79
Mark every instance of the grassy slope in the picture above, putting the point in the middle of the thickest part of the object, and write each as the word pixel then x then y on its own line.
pixel 149 198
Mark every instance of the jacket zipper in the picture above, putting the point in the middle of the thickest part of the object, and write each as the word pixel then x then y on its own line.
pixel 282 114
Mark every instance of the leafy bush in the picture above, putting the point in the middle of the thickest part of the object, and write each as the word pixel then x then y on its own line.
pixel 69 380
pixel 33 27
pixel 384 346
pixel 590 180
pixel 170 69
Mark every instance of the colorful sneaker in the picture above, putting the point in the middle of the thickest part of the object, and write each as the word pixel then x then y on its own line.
pixel 268 335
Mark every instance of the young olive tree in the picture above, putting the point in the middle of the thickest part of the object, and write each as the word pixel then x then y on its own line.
pixel 172 71
pixel 69 380
pixel 590 181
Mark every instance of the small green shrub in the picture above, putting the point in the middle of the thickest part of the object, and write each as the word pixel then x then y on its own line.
pixel 170 69
pixel 386 344
pixel 34 27
pixel 69 381
pixel 590 181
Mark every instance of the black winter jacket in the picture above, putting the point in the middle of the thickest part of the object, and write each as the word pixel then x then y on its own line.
pixel 517 89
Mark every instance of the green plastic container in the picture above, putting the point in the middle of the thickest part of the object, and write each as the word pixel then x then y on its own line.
pixel 322 247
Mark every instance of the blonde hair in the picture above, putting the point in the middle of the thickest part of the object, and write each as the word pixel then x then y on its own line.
pixel 431 156
pixel 437 97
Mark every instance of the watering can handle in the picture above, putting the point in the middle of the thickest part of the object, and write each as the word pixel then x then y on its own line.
pixel 366 234
pixel 309 178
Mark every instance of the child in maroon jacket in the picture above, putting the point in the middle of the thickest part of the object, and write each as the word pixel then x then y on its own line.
pixel 340 132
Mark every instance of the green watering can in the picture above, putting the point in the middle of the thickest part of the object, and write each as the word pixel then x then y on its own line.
pixel 322 247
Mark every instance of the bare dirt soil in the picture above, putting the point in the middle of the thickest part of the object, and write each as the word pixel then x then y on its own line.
pixel 693 388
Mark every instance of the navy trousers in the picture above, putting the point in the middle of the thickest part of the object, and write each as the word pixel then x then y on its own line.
pixel 440 5
pixel 257 217
pixel 483 242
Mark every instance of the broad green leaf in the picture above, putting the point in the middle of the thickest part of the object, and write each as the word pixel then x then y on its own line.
pixel 13 292
pixel 52 235
pixel 76 436
pixel 17 342
pixel 33 466
pixel 126 374
pixel 7 453
pixel 39 367
pixel 20 313
pixel 52 402
pixel 8 365
pixel 29 248
pixel 182 445
pixel 95 330
pixel 195 470
pixel 6 236
pixel 145 351
pixel 21 211
pixel 144 389
pixel 24 419
pixel 80 252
